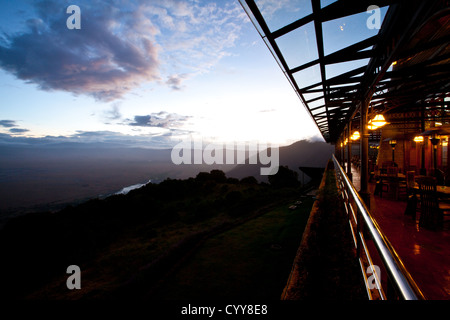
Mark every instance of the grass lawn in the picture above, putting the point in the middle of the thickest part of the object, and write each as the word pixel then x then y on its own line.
pixel 251 261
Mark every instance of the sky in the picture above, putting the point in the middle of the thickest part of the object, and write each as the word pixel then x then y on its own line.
pixel 144 73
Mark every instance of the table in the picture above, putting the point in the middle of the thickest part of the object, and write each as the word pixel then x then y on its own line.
pixel 392 180
pixel 399 176
pixel 443 191
pixel 433 208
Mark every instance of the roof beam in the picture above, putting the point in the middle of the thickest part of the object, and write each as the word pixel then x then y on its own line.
pixel 320 47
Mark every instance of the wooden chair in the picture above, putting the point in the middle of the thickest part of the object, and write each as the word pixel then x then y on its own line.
pixel 439 175
pixel 373 171
pixel 385 165
pixel 431 215
pixel 444 208
pixel 392 171
pixel 390 184
pixel 405 187
pixel 410 182
pixel 412 168
pixel 411 203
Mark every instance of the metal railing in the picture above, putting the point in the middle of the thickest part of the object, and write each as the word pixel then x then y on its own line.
pixel 373 247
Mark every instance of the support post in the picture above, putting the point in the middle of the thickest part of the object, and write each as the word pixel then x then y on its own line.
pixel 364 192
pixel 349 152
pixel 423 171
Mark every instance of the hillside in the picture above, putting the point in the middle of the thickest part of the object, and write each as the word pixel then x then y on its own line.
pixel 299 154
pixel 37 178
pixel 115 239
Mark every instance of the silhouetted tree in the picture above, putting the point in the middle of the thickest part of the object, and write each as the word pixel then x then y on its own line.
pixel 232 180
pixel 233 197
pixel 249 180
pixel 202 177
pixel 284 178
pixel 218 176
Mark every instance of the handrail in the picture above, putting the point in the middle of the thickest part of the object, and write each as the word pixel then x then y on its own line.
pixel 398 277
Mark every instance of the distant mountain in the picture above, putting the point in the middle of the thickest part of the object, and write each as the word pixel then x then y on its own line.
pixel 303 153
pixel 35 178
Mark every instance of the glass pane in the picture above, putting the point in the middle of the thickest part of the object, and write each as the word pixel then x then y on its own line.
pixel 299 46
pixel 278 14
pixel 315 104
pixel 343 32
pixel 336 69
pixel 325 3
pixel 310 96
pixel 318 111
pixel 308 76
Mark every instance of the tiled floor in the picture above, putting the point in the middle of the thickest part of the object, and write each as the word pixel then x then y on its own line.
pixel 425 253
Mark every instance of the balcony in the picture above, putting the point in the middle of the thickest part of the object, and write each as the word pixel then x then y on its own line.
pixel 425 253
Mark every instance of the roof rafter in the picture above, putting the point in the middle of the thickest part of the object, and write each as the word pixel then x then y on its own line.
pixel 415 34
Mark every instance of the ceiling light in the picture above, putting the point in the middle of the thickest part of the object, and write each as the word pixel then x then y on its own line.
pixel 378 121
pixel 355 136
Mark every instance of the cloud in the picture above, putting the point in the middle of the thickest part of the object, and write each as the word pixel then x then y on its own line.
pixel 121 44
pixel 271 7
pixel 18 130
pixel 110 55
pixel 142 121
pixel 195 35
pixel 8 123
pixel 13 126
pixel 175 81
pixel 113 113
pixel 89 139
pixel 159 120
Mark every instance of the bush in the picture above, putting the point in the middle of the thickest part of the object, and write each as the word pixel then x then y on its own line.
pixel 284 178
pixel 233 197
pixel 249 180
pixel 217 176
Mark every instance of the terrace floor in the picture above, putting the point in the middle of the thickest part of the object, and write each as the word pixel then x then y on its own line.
pixel 425 253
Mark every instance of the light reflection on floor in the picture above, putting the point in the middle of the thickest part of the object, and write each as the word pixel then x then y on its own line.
pixel 425 253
